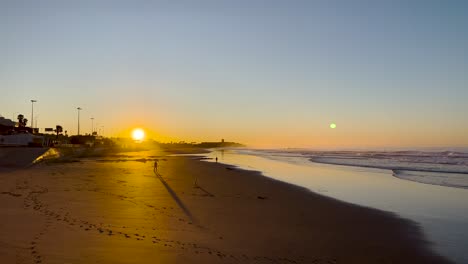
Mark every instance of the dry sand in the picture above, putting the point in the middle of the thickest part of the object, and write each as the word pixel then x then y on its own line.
pixel 116 210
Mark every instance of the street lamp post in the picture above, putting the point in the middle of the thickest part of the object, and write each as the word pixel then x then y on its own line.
pixel 32 114
pixel 92 125
pixel 79 109
pixel 35 120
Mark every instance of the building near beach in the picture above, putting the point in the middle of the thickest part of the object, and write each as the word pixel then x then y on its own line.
pixel 7 122
pixel 21 139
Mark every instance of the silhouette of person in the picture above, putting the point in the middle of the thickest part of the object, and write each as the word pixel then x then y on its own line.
pixel 216 159
pixel 155 168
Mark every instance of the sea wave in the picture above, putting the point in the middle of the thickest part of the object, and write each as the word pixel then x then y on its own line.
pixel 445 168
pixel 457 180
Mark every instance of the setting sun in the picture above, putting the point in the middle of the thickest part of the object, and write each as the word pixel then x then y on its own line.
pixel 138 134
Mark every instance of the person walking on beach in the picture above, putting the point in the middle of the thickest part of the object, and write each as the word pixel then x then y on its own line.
pixel 216 159
pixel 155 167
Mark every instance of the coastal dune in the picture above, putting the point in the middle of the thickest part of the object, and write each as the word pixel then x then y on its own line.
pixel 115 209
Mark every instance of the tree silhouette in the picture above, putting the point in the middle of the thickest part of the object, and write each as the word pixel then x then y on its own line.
pixel 22 121
pixel 58 130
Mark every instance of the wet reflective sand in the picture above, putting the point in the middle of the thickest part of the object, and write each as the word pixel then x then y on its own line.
pixel 441 211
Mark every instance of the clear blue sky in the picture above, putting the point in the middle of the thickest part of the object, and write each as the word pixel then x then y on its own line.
pixel 267 73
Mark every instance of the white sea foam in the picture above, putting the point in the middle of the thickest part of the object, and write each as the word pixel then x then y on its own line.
pixel 457 180
pixel 446 168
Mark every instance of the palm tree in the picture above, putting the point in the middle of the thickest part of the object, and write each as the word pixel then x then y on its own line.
pixel 58 130
pixel 20 120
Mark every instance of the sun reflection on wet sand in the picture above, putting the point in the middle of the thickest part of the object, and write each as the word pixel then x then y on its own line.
pixel 112 211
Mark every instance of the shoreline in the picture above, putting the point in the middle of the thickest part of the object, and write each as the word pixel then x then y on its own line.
pixel 408 231
pixel 317 160
pixel 237 216
pixel 404 173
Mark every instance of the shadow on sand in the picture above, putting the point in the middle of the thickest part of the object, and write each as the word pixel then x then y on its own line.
pixel 176 198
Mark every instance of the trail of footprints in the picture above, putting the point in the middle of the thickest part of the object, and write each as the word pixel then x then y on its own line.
pixel 37 258
pixel 32 201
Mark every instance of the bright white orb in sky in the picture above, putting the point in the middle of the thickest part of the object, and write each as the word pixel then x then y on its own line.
pixel 138 134
pixel 332 125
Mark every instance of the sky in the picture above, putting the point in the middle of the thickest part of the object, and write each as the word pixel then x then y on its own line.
pixel 263 73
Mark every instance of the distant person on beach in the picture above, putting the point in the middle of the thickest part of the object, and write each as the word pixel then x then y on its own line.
pixel 155 168
pixel 216 159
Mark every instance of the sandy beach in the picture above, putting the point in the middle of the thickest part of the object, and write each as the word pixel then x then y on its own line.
pixel 115 209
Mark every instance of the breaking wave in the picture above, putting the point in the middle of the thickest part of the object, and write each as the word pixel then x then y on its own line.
pixel 445 168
